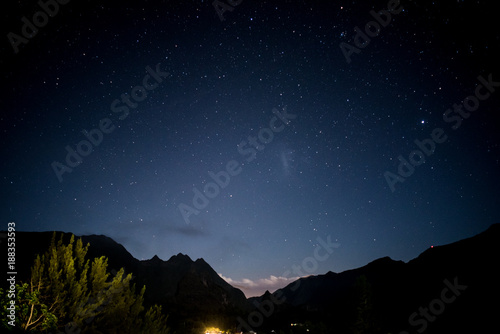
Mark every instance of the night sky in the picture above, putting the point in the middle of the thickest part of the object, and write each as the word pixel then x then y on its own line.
pixel 253 140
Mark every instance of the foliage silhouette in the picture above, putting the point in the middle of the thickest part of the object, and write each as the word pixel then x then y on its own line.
pixel 66 293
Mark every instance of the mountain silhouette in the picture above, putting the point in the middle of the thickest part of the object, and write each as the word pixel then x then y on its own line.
pixel 384 296
pixel 397 291
pixel 190 291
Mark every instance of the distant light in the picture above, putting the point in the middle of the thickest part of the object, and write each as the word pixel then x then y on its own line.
pixel 432 246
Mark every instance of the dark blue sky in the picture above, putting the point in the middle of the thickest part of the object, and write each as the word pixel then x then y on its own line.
pixel 306 136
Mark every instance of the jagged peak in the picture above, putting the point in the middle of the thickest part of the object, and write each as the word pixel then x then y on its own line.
pixel 155 259
pixel 180 257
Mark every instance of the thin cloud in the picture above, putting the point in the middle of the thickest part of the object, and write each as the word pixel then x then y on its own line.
pixel 158 227
pixel 253 288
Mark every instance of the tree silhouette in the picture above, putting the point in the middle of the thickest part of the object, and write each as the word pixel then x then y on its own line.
pixel 365 320
pixel 68 294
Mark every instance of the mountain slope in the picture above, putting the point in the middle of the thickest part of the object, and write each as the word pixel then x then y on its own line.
pixel 189 291
pixel 384 296
pixel 394 291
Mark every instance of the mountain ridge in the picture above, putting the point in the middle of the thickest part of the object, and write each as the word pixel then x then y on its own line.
pixel 398 291
pixel 179 284
pixel 193 293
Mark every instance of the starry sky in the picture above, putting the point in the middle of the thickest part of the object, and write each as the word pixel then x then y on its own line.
pixel 250 133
